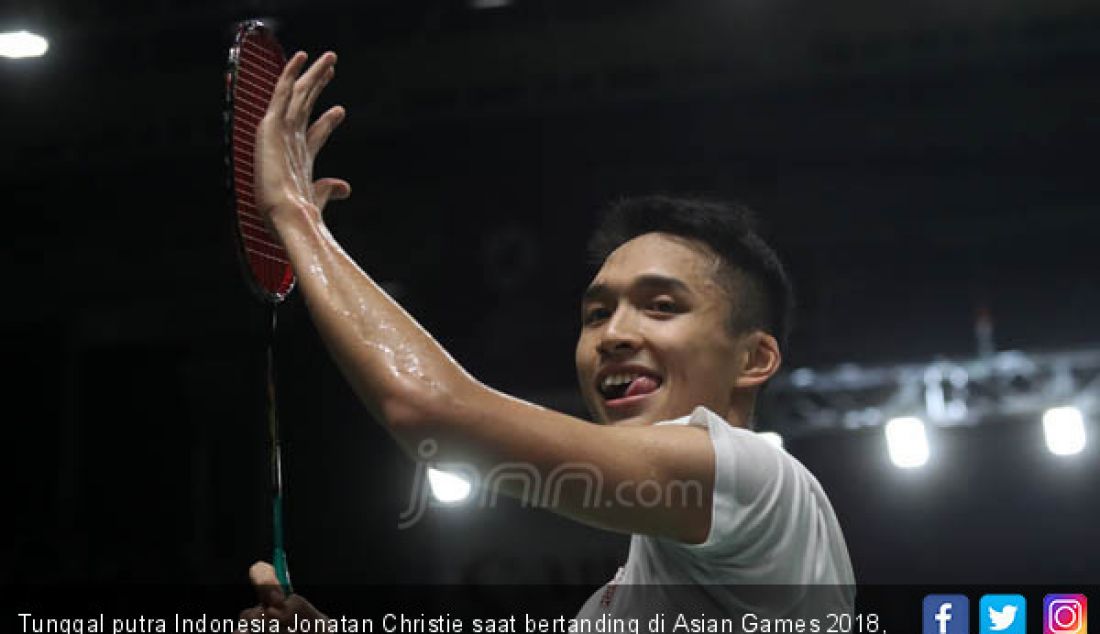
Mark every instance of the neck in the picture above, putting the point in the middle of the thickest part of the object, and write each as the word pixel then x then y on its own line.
pixel 741 408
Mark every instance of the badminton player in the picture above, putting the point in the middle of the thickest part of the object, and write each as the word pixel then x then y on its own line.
pixel 679 330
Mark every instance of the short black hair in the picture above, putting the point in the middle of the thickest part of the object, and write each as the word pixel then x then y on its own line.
pixel 753 270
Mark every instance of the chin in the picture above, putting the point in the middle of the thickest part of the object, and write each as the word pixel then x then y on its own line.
pixel 634 421
pixel 637 419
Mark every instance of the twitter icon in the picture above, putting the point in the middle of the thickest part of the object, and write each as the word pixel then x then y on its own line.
pixel 1002 613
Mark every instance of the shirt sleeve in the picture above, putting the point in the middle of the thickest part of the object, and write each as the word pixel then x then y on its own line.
pixel 755 492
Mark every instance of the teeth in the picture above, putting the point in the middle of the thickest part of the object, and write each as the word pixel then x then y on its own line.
pixel 619 379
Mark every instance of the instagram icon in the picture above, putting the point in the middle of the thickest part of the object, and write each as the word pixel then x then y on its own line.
pixel 1065 614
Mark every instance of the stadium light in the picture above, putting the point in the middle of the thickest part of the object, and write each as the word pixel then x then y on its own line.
pixel 1064 428
pixel 447 487
pixel 20 44
pixel 907 442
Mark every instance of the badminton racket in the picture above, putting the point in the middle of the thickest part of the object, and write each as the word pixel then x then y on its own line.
pixel 255 61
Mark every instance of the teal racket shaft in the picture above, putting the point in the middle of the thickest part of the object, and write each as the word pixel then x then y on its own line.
pixel 278 535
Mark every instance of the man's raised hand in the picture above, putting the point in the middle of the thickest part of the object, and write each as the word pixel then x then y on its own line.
pixel 287 144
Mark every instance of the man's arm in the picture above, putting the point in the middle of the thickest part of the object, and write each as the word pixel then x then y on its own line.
pixel 410 383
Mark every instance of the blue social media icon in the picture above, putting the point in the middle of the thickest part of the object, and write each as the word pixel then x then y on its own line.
pixel 1002 614
pixel 946 614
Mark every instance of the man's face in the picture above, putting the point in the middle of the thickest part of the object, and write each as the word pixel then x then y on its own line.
pixel 655 340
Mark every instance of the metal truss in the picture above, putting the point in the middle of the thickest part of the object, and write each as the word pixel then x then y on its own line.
pixel 998 387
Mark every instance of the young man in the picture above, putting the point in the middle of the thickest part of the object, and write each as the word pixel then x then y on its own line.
pixel 681 327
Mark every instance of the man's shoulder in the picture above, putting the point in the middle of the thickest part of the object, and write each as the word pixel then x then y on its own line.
pixel 720 428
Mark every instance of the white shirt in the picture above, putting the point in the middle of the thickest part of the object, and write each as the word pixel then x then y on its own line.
pixel 771 525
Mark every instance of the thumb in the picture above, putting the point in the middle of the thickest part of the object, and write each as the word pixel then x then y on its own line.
pixel 327 189
pixel 268 590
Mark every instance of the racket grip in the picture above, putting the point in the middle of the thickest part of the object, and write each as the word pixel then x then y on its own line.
pixel 278 556
pixel 281 571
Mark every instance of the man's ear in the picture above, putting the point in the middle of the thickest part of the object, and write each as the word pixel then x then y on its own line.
pixel 760 359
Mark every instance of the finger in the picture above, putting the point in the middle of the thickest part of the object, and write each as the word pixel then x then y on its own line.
pixel 247 617
pixel 299 107
pixel 316 89
pixel 297 604
pixel 265 613
pixel 254 612
pixel 268 590
pixel 324 75
pixel 327 189
pixel 322 128
pixel 280 96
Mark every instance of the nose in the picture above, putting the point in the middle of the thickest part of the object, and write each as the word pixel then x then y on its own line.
pixel 621 336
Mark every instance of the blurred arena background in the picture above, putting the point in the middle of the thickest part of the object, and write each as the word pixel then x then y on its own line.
pixel 929 173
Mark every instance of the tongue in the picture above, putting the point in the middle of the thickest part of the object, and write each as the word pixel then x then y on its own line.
pixel 641 385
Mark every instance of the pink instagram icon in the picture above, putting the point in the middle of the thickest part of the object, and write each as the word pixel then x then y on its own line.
pixel 1065 614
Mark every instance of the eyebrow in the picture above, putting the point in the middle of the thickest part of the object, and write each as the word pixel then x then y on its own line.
pixel 659 282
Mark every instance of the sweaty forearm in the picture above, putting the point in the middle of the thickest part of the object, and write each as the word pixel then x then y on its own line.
pixel 389 359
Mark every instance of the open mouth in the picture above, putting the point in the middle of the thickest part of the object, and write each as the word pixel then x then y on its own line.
pixel 628 386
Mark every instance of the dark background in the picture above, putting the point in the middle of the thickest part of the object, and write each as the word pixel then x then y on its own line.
pixel 910 163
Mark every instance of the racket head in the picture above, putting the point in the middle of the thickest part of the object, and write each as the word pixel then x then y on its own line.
pixel 255 61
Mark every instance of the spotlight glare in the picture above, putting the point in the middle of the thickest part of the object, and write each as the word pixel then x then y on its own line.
pixel 20 44
pixel 447 487
pixel 907 442
pixel 1064 428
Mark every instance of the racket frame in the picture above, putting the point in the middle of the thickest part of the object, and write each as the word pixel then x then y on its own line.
pixel 244 30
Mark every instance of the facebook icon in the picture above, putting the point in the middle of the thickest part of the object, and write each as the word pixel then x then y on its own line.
pixel 946 614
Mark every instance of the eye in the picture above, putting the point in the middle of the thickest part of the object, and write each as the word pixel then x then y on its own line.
pixel 594 315
pixel 664 306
